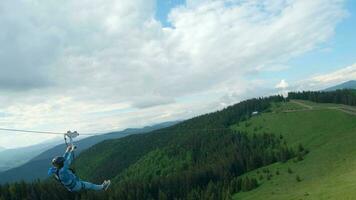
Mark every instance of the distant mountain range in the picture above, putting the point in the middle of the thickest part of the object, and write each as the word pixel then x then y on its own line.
pixel 346 85
pixel 37 167
pixel 10 158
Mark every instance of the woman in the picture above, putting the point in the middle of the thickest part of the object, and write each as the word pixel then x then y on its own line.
pixel 66 176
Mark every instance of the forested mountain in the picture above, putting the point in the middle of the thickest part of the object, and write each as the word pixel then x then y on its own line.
pixel 201 158
pixel 346 85
pixel 224 155
pixel 133 147
pixel 37 167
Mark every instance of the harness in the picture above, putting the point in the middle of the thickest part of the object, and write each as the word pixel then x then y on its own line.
pixel 69 186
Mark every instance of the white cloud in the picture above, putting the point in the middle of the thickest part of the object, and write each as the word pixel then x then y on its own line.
pixel 282 88
pixel 322 81
pixel 60 63
pixel 282 84
pixel 345 74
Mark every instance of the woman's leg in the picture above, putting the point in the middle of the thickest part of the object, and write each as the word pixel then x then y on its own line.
pixel 91 186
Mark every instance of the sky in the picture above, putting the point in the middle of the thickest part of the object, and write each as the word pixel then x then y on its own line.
pixel 98 66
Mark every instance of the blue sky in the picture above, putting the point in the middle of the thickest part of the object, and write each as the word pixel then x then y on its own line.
pixel 108 65
pixel 163 8
pixel 338 52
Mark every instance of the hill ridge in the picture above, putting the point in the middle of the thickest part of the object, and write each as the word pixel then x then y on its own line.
pixel 345 85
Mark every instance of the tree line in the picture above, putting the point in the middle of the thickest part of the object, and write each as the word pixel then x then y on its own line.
pixel 345 96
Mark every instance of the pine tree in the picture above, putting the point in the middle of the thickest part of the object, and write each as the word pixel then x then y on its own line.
pixel 162 195
pixel 298 179
pixel 290 170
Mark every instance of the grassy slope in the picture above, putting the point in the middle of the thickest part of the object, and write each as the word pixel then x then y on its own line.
pixel 327 172
pixel 110 158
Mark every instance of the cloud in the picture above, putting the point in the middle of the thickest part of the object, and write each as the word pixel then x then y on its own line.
pixel 105 54
pixel 345 74
pixel 323 81
pixel 152 101
pixel 282 88
pixel 282 85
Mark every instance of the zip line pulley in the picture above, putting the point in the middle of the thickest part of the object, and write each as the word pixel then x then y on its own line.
pixel 69 136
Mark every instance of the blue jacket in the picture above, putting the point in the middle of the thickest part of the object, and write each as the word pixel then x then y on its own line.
pixel 65 175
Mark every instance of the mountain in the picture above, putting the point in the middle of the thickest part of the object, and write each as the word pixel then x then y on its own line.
pixel 346 85
pixel 10 158
pixel 185 158
pixel 324 167
pixel 292 149
pixel 195 159
pixel 37 167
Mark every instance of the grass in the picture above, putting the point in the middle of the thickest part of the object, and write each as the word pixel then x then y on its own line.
pixel 286 106
pixel 327 172
pixel 320 105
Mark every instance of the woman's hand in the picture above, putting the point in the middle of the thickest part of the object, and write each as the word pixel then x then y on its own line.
pixel 70 148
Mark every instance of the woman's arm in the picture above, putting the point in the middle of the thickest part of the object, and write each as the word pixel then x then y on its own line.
pixel 68 155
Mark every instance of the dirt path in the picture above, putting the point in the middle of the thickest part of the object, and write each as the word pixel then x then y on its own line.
pixel 343 108
pixel 302 104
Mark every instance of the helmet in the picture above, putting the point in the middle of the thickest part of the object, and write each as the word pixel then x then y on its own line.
pixel 58 161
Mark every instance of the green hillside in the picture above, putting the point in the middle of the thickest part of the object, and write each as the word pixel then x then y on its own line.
pixel 289 150
pixel 197 153
pixel 328 131
pixel 109 158
pixel 200 158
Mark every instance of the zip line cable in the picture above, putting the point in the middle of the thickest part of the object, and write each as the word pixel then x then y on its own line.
pixel 30 131
pixel 33 131
pixel 88 134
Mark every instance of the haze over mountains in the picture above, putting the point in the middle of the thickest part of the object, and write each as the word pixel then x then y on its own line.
pixel 303 144
pixel 266 88
pixel 36 168
pixel 294 145
pixel 25 160
pixel 10 158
